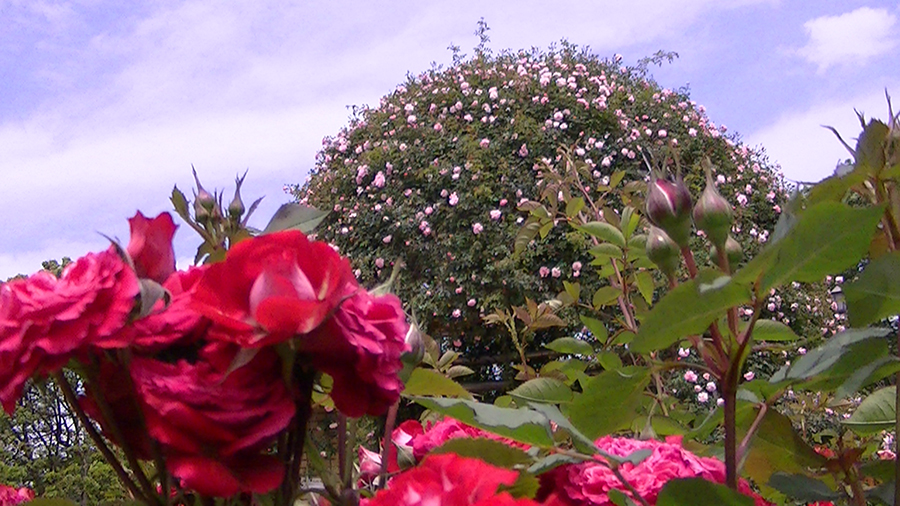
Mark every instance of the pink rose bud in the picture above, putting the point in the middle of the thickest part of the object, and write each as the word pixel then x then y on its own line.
pixel 669 208
pixel 712 214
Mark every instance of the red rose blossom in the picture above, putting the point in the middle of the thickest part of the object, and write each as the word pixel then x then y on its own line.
pixel 175 323
pixel 150 247
pixel 11 496
pixel 214 425
pixel 45 321
pixel 273 287
pixel 447 429
pixel 360 348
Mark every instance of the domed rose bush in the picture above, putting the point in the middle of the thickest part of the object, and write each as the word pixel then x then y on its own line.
pixel 432 177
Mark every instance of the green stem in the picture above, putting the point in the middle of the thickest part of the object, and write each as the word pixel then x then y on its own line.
pixel 388 442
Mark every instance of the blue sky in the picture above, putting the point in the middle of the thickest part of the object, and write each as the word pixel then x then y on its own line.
pixel 104 105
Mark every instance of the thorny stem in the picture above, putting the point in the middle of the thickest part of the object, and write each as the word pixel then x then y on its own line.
pixel 111 459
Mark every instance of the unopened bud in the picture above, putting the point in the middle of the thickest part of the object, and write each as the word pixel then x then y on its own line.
pixel 416 345
pixel 712 214
pixel 663 251
pixel 669 208
pixel 236 207
pixel 203 197
pixel 733 250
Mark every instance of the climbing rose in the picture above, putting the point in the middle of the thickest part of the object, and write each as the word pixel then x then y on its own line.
pixel 10 496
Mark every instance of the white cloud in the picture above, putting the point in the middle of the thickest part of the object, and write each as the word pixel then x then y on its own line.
pixel 850 38
pixel 808 152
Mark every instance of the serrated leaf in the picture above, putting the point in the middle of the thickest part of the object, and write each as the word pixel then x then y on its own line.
pixel 526 234
pixel 570 346
pixel 876 294
pixel 819 360
pixel 293 216
pixel 491 451
pixel 605 295
pixel 457 371
pixel 429 382
pixel 645 284
pixel 523 425
pixel 179 201
pixel 686 492
pixel 543 390
pixel 603 231
pixel 689 309
pixel 604 251
pixel 876 413
pixel 574 206
pixel 608 401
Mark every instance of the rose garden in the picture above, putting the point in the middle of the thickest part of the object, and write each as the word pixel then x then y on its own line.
pixel 532 278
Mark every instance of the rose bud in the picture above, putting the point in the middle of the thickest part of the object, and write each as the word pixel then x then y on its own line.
pixel 732 250
pixel 203 197
pixel 663 251
pixel 236 208
pixel 416 345
pixel 669 208
pixel 712 214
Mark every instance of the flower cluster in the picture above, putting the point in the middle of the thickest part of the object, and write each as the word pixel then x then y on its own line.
pixel 208 375
pixel 11 496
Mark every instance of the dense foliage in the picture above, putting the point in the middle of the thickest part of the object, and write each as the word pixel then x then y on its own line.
pixel 433 175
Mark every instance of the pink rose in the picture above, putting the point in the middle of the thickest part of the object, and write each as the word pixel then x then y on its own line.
pixel 150 247
pixel 45 321
pixel 360 348
pixel 448 429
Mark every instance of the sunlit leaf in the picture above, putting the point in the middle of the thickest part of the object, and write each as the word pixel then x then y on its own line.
pixel 876 413
pixel 544 390
pixel 293 216
pixel 432 383
pixel 876 294
pixel 609 401
pixel 603 231
pixel 570 346
pixel 523 425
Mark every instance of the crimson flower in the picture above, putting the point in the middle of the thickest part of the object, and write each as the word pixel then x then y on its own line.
pixel 150 247
pixel 273 287
pixel 11 496
pixel 45 321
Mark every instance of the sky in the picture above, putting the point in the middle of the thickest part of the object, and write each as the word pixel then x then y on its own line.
pixel 105 105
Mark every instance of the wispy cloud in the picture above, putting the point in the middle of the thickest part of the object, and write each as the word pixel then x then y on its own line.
pixel 849 39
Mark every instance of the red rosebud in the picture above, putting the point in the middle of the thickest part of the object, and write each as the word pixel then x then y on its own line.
pixel 45 321
pixel 669 208
pixel 273 287
pixel 150 247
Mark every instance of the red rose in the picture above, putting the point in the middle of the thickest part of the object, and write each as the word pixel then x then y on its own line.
pixel 45 321
pixel 448 480
pixel 214 425
pixel 10 496
pixel 360 348
pixel 150 247
pixel 273 287
pixel 447 429
pixel 175 323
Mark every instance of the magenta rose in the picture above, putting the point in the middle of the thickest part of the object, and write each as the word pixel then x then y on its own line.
pixel 360 348
pixel 45 321
pixel 447 429
pixel 588 484
pixel 11 496
pixel 150 247
pixel 273 287
pixel 215 426
pixel 175 323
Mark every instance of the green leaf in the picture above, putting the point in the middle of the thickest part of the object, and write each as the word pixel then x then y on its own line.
pixel 574 206
pixel 526 485
pixel 573 289
pixel 689 309
pixel 777 446
pixel 619 498
pixel 581 442
pixel 570 346
pixel 876 294
pixel 428 382
pixel 44 501
pixel 552 461
pixel 545 390
pixel 771 330
pixel 526 234
pixel 609 360
pixel 876 413
pixel 824 358
pixel 597 328
pixel 523 425
pixel 293 216
pixel 802 487
pixel 609 401
pixel 687 492
pixel 866 375
pixel 645 284
pixel 605 251
pixel 491 451
pixel 180 203
pixel 827 238
pixel 603 231
pixel 605 295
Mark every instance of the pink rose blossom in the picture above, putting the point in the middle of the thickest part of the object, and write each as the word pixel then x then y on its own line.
pixel 544 271
pixel 454 199
pixel 484 143
pixel 495 214
pixel 477 228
